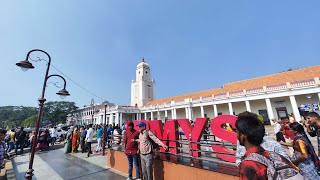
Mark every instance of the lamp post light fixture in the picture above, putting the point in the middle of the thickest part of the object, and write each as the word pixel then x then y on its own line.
pixel 26 65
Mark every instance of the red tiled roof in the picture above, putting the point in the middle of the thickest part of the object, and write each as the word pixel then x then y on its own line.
pixel 269 80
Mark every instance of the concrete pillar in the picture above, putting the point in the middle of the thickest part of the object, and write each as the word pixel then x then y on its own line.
pixel 145 116
pixel 215 110
pixel 187 114
pixel 158 115
pixel 111 118
pixel 269 109
pixel 172 114
pixel 151 115
pixel 248 106
pixel 319 95
pixel 295 108
pixel 166 114
pixel 230 108
pixel 190 113
pixel 117 119
pixel 120 120
pixel 202 111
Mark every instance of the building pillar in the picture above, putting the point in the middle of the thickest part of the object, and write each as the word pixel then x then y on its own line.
pixel 215 110
pixel 248 106
pixel 151 115
pixel 295 108
pixel 120 120
pixel 319 95
pixel 117 119
pixel 190 116
pixel 166 114
pixel 269 109
pixel 202 111
pixel 230 108
pixel 172 114
pixel 145 116
pixel 187 114
pixel 175 113
pixel 111 118
pixel 158 115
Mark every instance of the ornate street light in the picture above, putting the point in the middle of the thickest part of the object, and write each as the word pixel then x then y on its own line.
pixel 26 65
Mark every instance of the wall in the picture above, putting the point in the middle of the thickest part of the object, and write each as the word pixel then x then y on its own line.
pixel 164 170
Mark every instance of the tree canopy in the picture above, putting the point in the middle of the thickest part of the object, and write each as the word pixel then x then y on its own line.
pixel 54 112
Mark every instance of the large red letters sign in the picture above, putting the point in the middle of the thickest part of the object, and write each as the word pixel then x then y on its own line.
pixel 193 134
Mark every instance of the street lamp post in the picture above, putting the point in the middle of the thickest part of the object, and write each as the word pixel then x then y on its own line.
pixel 92 104
pixel 25 65
pixel 104 130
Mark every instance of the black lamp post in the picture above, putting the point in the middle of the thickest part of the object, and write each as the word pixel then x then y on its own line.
pixel 104 130
pixel 25 65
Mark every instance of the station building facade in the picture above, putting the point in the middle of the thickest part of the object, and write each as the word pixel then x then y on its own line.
pixel 272 96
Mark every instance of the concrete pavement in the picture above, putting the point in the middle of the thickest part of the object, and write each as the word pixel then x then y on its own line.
pixel 56 165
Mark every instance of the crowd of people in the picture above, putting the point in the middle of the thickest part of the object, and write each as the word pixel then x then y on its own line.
pixel 263 157
pixel 258 155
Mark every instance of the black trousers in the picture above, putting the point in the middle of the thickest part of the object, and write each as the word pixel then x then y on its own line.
pixel 89 148
pixel 280 137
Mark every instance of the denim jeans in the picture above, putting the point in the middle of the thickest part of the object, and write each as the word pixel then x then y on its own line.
pixel 133 158
pixel 10 147
pixel 21 144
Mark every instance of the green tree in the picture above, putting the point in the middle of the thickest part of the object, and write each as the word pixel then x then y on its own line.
pixel 57 111
pixel 30 121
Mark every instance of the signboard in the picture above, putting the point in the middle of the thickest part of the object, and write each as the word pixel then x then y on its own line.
pixel 307 107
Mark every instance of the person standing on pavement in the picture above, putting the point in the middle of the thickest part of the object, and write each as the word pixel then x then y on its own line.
pixel 146 150
pixel 313 127
pixel 20 135
pixel 89 138
pixel 11 142
pixel 82 139
pixel 278 130
pixel 131 150
pixel 99 138
pixel 53 134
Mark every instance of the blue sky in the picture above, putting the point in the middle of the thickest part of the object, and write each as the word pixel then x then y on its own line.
pixel 190 45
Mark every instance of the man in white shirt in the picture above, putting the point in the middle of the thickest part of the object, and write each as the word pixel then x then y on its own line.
pixel 54 135
pixel 89 138
pixel 277 131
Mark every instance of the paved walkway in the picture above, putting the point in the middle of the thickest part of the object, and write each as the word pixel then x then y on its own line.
pixel 56 165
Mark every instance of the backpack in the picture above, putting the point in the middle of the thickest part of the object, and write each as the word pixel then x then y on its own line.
pixel 154 145
pixel 278 168
pixel 7 138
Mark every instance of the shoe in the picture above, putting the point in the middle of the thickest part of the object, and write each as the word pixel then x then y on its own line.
pixel 138 179
pixel 129 178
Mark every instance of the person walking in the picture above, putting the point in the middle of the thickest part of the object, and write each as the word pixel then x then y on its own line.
pixel 99 138
pixel 68 145
pixel 131 150
pixel 89 138
pixel 146 150
pixel 2 147
pixel 304 155
pixel 20 136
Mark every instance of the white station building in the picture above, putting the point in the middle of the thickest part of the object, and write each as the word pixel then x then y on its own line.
pixel 272 96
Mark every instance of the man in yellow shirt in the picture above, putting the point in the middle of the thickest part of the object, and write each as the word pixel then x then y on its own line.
pixel 11 142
